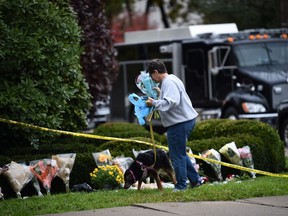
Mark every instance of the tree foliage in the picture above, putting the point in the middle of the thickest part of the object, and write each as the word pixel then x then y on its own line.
pixel 40 74
pixel 245 13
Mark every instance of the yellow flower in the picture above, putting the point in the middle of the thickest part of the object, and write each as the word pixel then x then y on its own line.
pixel 103 158
pixel 106 175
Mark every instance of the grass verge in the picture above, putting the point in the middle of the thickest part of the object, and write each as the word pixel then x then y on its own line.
pixel 59 203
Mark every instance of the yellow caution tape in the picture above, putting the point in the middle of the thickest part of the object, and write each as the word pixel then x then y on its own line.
pixel 93 136
pixel 239 167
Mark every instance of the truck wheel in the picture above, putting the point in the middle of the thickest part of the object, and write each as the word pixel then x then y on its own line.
pixel 285 132
pixel 231 113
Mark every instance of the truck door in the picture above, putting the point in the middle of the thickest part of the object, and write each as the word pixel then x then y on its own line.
pixel 195 76
pixel 221 72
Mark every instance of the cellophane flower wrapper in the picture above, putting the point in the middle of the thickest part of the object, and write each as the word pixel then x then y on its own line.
pixel 214 155
pixel 146 84
pixel 1 194
pixel 45 170
pixel 65 163
pixel 102 158
pixel 18 175
pixel 247 158
pixel 122 162
pixel 231 153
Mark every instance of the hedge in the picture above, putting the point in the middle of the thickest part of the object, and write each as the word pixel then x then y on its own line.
pixel 266 146
pixel 125 130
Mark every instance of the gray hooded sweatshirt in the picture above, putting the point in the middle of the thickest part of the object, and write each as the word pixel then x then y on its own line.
pixel 174 104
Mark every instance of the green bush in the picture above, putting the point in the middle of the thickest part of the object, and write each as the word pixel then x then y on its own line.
pixel 40 79
pixel 121 148
pixel 54 146
pixel 125 130
pixel 266 147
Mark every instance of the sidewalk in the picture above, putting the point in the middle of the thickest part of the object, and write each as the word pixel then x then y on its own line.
pixel 262 206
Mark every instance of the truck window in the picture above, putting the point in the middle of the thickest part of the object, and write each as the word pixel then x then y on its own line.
pixel 132 52
pixel 278 52
pixel 251 55
pixel 195 75
pixel 136 52
pixel 261 53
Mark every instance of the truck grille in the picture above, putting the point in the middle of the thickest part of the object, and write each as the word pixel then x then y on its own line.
pixel 279 93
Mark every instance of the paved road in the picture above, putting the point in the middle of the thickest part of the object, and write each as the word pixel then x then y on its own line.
pixel 263 206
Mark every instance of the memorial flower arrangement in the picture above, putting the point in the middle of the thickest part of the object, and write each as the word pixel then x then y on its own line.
pixel 107 177
pixel 144 82
pixel 150 88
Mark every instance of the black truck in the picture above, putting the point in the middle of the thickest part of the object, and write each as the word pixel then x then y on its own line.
pixel 227 73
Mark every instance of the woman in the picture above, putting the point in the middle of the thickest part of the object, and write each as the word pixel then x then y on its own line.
pixel 179 117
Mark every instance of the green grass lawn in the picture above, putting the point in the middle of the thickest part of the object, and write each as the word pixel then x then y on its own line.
pixel 66 202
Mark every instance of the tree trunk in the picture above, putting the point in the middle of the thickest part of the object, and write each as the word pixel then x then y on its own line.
pixel 162 11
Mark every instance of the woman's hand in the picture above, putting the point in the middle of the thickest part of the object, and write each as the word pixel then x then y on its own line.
pixel 149 102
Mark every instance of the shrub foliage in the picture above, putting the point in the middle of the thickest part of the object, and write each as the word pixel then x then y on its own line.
pixel 40 74
pixel 266 146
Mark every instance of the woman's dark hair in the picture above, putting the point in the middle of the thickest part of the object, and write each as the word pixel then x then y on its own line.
pixel 156 64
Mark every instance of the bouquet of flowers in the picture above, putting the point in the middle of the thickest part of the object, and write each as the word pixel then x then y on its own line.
pixel 146 85
pixel 246 156
pixel 45 170
pixel 231 152
pixel 107 177
pixel 102 158
pixel 215 155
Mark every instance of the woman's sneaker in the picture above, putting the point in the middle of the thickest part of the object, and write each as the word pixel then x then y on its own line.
pixel 176 189
pixel 201 181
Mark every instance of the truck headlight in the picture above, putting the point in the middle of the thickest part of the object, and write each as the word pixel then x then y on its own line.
pixel 253 107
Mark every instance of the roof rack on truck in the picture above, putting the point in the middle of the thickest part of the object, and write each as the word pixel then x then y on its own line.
pixel 173 34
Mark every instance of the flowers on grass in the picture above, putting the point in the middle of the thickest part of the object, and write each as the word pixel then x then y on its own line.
pixel 109 175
